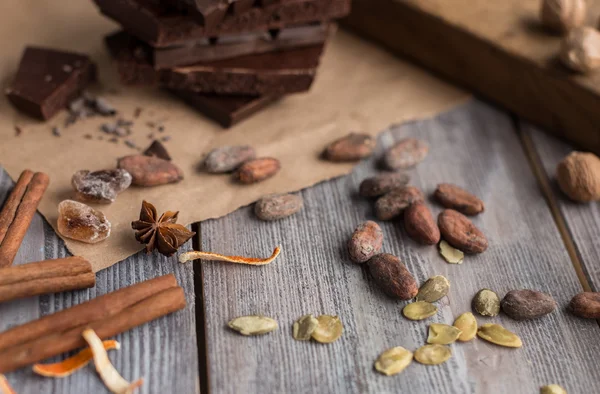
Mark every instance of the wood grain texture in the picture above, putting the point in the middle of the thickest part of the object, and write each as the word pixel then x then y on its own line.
pixel 475 147
pixel 582 220
pixel 163 352
pixel 497 49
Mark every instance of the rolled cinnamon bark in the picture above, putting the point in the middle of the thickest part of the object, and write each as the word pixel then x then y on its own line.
pixel 9 209
pixel 44 277
pixel 155 306
pixel 22 217
pixel 83 314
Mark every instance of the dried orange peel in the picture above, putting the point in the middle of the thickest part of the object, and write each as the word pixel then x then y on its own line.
pixel 71 364
pixel 109 375
pixel 5 387
pixel 194 255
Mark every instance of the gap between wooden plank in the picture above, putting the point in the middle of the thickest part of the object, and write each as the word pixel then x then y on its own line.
pixel 536 166
pixel 200 314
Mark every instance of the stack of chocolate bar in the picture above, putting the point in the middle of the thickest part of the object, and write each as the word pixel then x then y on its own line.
pixel 227 58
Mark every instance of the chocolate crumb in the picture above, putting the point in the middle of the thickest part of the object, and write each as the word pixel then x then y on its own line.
pixel 157 149
pixel 124 123
pixel 48 78
pixel 100 138
pixel 88 136
pixel 151 136
pixel 161 129
pixel 56 131
pixel 67 68
pixel 121 131
pixel 114 140
pixel 18 131
pixel 166 138
pixel 137 112
pixel 130 144
pixel 108 128
pixel 103 107
pixel 151 124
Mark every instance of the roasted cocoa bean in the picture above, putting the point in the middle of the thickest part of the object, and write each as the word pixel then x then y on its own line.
pixel 383 183
pixel 460 232
pixel 278 206
pixel 392 276
pixel 366 241
pixel 352 147
pixel 527 304
pixel 150 170
pixel 454 197
pixel 420 224
pixel 405 154
pixel 228 158
pixel 257 170
pixel 395 202
pixel 586 305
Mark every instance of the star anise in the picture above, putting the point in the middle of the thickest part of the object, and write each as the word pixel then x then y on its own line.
pixel 163 234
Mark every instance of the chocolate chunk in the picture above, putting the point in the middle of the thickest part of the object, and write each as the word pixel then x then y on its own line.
pixel 47 80
pixel 157 149
pixel 228 47
pixel 225 110
pixel 274 73
pixel 161 26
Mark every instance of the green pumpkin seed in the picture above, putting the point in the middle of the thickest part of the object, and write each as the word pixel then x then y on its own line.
pixel 450 254
pixel 499 335
pixel 552 389
pixel 486 303
pixel 442 334
pixel 434 289
pixel 328 330
pixel 468 325
pixel 253 325
pixel 304 327
pixel 432 354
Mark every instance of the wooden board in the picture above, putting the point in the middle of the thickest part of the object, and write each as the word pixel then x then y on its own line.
pixel 497 49
pixel 163 352
pixel 474 146
pixel 582 221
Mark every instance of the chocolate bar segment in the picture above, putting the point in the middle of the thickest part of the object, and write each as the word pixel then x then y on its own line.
pixel 160 26
pixel 275 73
pixel 47 80
pixel 229 47
pixel 225 110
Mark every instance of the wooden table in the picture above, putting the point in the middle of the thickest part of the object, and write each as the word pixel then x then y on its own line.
pixel 538 240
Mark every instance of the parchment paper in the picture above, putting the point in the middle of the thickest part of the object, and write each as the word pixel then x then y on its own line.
pixel 359 87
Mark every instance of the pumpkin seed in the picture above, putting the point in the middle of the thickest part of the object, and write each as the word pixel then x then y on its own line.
pixel 442 334
pixel 450 254
pixel 486 303
pixel 432 354
pixel 552 389
pixel 419 310
pixel 499 335
pixel 434 289
pixel 468 325
pixel 304 327
pixel 393 361
pixel 328 330
pixel 253 325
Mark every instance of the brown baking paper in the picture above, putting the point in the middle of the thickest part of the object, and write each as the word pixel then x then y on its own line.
pixel 359 87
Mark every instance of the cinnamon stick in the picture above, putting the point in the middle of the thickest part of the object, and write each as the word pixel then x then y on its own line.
pixel 20 219
pixel 97 309
pixel 44 277
pixel 155 306
pixel 9 210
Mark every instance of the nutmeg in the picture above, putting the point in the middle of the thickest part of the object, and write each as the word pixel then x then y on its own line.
pixel 562 16
pixel 580 49
pixel 578 176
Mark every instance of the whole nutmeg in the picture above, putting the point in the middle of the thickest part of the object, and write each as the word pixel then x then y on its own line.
pixel 578 176
pixel 580 50
pixel 562 16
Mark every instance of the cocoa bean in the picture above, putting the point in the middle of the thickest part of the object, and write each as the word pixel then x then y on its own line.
pixel 395 202
pixel 527 304
pixel 405 154
pixel 150 170
pixel 278 206
pixel 420 224
pixel 460 232
pixel 392 276
pixel 228 158
pixel 453 197
pixel 383 183
pixel 352 147
pixel 257 170
pixel 586 305
pixel 366 241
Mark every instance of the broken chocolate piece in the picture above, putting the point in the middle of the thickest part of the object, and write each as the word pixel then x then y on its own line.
pixel 157 149
pixel 225 110
pixel 227 47
pixel 274 73
pixel 161 26
pixel 47 80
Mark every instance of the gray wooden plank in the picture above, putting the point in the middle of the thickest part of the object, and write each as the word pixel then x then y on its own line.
pixel 474 146
pixel 163 352
pixel 582 220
